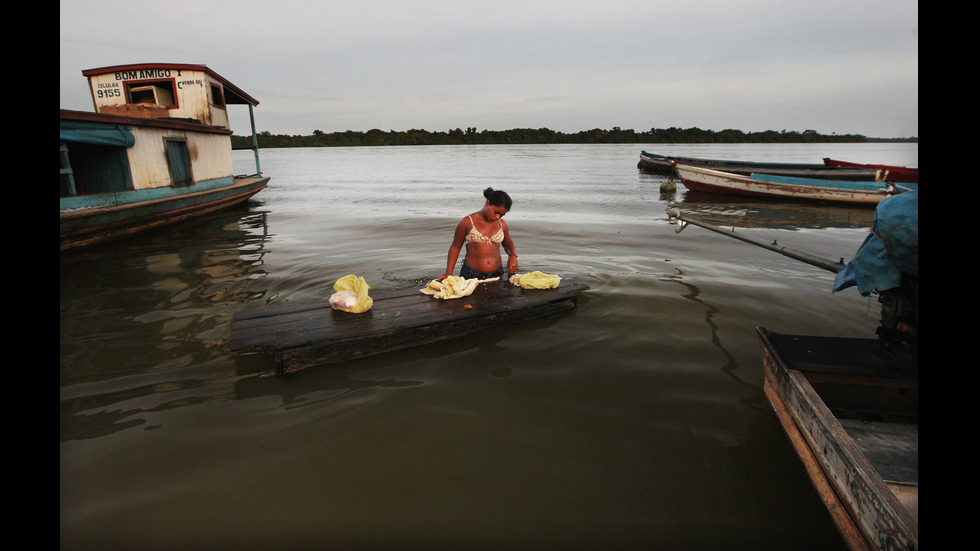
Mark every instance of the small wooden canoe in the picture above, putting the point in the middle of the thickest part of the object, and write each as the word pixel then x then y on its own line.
pixel 840 191
pixel 893 173
pixel 306 335
pixel 851 412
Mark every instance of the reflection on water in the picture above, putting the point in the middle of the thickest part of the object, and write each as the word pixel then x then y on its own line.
pixel 174 294
pixel 638 418
pixel 752 212
pixel 147 321
pixel 761 213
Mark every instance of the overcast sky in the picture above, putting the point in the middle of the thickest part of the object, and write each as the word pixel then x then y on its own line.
pixel 834 66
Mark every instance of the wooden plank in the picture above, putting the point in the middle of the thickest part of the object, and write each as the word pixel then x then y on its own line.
pixel 846 356
pixel 294 325
pixel 319 352
pixel 892 448
pixel 305 335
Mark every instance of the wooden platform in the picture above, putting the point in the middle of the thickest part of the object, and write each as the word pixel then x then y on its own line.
pixel 307 335
pixel 851 411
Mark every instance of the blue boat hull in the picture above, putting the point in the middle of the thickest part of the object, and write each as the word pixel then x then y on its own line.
pixel 838 184
pixel 83 227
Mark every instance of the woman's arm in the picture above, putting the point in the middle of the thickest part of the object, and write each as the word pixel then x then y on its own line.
pixel 510 249
pixel 454 248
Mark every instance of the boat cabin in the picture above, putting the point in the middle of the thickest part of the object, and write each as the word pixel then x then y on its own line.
pixel 166 90
pixel 157 149
pixel 155 126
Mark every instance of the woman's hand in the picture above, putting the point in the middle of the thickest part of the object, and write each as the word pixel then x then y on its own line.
pixel 512 264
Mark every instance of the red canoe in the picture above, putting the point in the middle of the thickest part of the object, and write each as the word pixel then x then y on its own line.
pixel 895 173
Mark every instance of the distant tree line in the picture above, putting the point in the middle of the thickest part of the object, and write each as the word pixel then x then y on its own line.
pixel 459 136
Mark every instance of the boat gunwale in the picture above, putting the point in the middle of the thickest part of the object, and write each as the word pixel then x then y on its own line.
pixel 238 182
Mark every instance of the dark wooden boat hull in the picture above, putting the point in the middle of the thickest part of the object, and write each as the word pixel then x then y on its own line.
pixel 304 336
pixel 851 413
pixel 662 164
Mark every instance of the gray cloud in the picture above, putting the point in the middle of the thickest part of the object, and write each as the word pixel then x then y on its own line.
pixel 833 66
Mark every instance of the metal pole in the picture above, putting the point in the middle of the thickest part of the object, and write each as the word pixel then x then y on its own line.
pixel 255 141
pixel 675 215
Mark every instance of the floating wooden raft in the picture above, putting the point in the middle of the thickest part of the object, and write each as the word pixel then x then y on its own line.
pixel 307 335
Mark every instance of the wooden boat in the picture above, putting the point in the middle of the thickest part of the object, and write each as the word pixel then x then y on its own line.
pixel 156 151
pixel 895 173
pixel 308 335
pixel 850 411
pixel 663 164
pixel 850 406
pixel 714 181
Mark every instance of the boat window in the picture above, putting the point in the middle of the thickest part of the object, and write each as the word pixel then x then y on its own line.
pixel 87 168
pixel 217 95
pixel 179 162
pixel 151 92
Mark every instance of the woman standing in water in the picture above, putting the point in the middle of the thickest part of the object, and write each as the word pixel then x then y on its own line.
pixel 483 232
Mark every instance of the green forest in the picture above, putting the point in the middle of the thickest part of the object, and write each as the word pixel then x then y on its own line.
pixel 376 137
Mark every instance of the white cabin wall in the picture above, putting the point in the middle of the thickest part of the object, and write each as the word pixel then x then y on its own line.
pixel 192 87
pixel 210 156
pixel 148 159
pixel 219 117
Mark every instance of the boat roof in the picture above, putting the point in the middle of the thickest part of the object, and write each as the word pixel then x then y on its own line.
pixel 81 118
pixel 233 94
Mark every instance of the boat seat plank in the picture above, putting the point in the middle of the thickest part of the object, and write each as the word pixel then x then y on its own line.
pixel 305 335
pixel 852 356
pixel 892 448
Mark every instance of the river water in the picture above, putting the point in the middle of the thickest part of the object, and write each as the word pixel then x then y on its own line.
pixel 637 420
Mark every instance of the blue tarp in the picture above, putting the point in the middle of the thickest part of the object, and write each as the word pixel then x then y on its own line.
pixel 96 133
pixel 891 248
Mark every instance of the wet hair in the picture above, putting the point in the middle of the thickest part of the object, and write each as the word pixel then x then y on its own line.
pixel 497 198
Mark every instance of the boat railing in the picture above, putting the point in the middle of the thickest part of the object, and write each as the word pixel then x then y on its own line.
pixel 255 142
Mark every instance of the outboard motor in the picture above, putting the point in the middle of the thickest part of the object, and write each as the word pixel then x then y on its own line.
pixel 899 330
pixel 887 263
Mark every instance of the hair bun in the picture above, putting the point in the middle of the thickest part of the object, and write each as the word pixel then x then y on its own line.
pixel 497 198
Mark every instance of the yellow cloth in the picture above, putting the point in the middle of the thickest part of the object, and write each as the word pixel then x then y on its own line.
pixel 358 286
pixel 536 280
pixel 453 287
